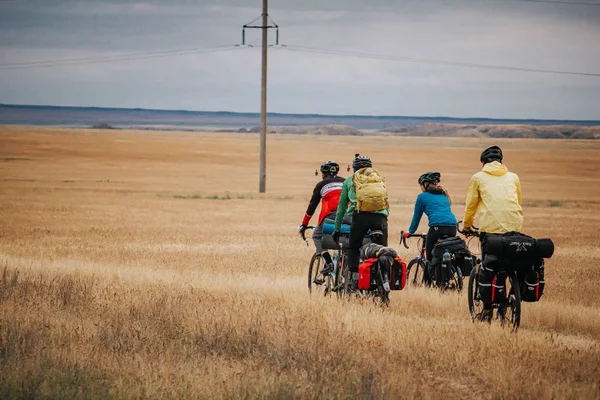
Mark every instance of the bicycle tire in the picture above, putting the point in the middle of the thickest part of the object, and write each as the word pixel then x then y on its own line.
pixel 342 277
pixel 414 266
pixel 475 304
pixel 457 277
pixel 314 269
pixel 383 294
pixel 514 302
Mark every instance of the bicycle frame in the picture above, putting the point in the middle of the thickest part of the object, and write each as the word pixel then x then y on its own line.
pixel 422 248
pixel 454 273
pixel 314 275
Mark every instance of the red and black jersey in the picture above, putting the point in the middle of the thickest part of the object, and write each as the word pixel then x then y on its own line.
pixel 329 190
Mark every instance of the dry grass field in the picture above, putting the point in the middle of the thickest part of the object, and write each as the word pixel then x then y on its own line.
pixel 146 265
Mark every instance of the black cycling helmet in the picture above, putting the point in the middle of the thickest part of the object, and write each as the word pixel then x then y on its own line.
pixel 330 168
pixel 492 153
pixel 361 162
pixel 430 177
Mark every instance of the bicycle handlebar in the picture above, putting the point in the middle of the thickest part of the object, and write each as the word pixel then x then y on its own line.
pixel 403 239
pixel 303 233
pixel 473 232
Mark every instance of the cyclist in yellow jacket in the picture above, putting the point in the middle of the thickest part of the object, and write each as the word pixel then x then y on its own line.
pixel 494 194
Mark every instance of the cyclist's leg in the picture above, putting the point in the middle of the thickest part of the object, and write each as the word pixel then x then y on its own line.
pixel 379 222
pixel 358 229
pixel 318 240
pixel 433 234
pixel 317 237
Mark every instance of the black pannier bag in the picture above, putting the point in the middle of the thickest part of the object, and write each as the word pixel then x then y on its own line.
pixel 467 265
pixel 462 258
pixel 438 272
pixel 455 245
pixel 492 285
pixel 531 280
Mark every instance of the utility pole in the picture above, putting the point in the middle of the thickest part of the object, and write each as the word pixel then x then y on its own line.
pixel 262 185
pixel 265 26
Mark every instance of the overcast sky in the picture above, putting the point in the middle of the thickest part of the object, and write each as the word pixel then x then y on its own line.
pixel 498 32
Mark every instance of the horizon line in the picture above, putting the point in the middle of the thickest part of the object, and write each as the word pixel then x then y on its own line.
pixel 365 116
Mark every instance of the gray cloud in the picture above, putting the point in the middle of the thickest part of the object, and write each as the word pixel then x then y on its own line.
pixel 491 32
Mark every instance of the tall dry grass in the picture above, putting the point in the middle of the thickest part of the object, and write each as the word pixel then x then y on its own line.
pixel 125 277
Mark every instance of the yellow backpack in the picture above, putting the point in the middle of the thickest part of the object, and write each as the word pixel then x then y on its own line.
pixel 371 192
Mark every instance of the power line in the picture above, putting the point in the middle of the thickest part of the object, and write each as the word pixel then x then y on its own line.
pixel 107 57
pixel 574 3
pixel 114 58
pixel 345 53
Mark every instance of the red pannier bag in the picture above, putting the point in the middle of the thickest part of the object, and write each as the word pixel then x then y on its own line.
pixel 398 274
pixel 366 278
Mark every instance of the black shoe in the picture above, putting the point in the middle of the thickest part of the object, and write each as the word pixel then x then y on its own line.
pixel 327 269
pixel 318 281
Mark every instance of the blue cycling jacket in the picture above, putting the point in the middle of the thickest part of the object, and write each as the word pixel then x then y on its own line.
pixel 437 208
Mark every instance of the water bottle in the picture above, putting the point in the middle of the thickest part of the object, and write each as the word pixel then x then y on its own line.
pixel 335 263
pixel 445 259
pixel 445 265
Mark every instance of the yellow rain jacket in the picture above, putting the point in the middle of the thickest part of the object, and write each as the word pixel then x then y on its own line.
pixel 495 195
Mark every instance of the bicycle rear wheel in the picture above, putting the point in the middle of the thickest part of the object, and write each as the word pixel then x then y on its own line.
pixel 382 296
pixel 512 313
pixel 415 272
pixel 475 303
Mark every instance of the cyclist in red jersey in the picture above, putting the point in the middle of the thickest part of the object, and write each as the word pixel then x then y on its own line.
pixel 327 192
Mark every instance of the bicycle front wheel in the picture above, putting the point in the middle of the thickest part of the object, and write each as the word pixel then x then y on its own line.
pixel 415 272
pixel 315 281
pixel 342 277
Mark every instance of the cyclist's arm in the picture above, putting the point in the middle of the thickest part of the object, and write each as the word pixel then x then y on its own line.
pixel 312 205
pixel 471 203
pixel 341 209
pixel 417 214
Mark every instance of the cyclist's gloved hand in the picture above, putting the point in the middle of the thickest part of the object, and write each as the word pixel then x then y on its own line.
pixel 301 228
pixel 406 234
pixel 336 236
pixel 468 230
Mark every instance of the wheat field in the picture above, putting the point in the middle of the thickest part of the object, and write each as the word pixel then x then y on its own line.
pixel 146 265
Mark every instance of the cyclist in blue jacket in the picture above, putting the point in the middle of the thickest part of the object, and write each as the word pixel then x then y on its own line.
pixel 435 202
